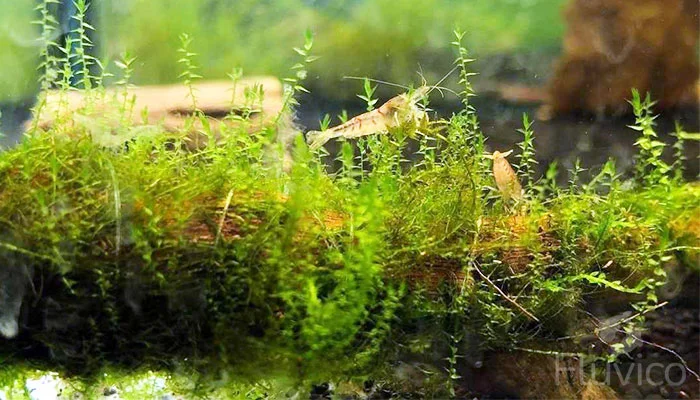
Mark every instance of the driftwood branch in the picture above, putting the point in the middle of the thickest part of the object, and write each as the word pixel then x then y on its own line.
pixel 505 296
pixel 167 105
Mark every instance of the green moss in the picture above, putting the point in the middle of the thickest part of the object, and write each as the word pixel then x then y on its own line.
pixel 309 272
pixel 16 382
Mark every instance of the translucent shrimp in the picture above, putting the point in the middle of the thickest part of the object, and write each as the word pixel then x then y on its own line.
pixel 506 179
pixel 395 112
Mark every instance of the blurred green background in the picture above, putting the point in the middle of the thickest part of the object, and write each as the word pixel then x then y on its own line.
pixel 386 39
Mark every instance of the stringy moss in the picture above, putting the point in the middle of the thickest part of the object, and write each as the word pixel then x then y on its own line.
pixel 308 275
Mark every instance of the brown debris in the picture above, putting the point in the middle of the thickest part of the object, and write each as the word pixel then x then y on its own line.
pixel 333 220
pixel 432 271
pixel 204 226
pixel 612 46
pixel 688 225
pixel 535 376
pixel 509 237
pixel 597 391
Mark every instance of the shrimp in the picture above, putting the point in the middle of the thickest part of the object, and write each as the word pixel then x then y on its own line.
pixel 506 179
pixel 395 112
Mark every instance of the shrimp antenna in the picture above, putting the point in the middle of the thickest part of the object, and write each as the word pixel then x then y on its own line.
pixel 432 87
pixel 362 78
pixel 437 85
pixel 423 82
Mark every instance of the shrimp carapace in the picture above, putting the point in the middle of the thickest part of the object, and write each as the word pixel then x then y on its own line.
pixel 506 179
pixel 396 111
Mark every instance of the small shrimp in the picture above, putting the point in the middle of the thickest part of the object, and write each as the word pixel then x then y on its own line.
pixel 506 179
pixel 395 112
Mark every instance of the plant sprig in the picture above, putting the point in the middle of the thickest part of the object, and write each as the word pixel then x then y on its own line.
pixel 189 74
pixel 526 158
pixel 650 169
pixel 463 60
pixel 80 58
pixel 293 84
pixel 368 96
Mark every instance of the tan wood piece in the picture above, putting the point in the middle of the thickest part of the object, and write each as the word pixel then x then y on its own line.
pixel 168 106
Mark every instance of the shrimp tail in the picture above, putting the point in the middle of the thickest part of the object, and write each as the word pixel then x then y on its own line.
pixel 316 139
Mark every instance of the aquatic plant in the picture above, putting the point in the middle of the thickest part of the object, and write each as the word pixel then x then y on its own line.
pixel 650 169
pixel 188 74
pixel 526 157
